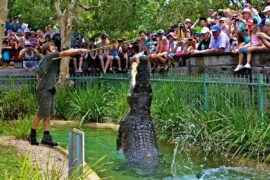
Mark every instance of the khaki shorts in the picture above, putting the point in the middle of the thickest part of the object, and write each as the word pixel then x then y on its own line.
pixel 45 103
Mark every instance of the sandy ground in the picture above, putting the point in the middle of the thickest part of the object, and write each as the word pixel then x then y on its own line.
pixel 40 155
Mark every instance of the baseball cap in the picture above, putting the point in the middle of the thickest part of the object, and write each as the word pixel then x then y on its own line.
pixel 104 36
pixel 27 43
pixel 26 30
pixel 148 32
pixel 251 21
pixel 161 31
pixel 215 28
pixel 171 34
pixel 267 8
pixel 205 30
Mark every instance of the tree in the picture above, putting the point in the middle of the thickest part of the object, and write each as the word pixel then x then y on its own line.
pixel 66 10
pixel 3 17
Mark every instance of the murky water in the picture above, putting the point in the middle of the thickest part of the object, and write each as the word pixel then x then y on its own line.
pixel 175 163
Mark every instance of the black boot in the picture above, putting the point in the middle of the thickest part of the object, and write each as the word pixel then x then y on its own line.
pixel 32 138
pixel 47 140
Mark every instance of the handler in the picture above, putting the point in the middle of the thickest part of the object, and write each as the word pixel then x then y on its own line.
pixel 47 74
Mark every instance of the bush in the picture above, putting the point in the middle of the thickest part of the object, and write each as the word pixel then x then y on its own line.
pixel 16 103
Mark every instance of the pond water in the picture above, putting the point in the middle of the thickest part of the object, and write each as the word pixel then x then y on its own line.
pixel 99 143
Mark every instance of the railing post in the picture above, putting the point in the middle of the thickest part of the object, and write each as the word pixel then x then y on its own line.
pixel 206 92
pixel 260 99
pixel 75 152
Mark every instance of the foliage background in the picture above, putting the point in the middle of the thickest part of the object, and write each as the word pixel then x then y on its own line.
pixel 121 17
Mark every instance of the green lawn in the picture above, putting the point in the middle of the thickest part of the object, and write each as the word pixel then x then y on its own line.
pixel 9 161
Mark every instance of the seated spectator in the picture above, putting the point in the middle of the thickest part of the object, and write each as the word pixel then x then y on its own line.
pixel 92 56
pixel 123 50
pixel 103 53
pixel 253 45
pixel 264 36
pixel 219 42
pixel 266 12
pixel 33 40
pixel 171 53
pixel 40 37
pixel 78 58
pixel 114 54
pixel 205 42
pixel 30 57
pixel 162 50
pixel 239 40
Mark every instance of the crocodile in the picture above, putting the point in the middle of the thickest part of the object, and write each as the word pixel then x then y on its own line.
pixel 136 134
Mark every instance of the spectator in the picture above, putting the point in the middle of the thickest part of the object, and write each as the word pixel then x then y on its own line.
pixel 219 41
pixel 162 50
pixel 266 12
pixel 103 53
pixel 241 40
pixel 92 56
pixel 40 37
pixel 114 54
pixel 15 24
pixel 171 53
pixel 123 50
pixel 33 40
pixel 212 16
pixel 142 48
pixel 78 58
pixel 264 36
pixel 29 56
pixel 199 24
pixel 205 42
pixel 224 25
pixel 253 45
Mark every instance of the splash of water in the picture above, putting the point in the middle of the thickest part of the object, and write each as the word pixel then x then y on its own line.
pixel 174 165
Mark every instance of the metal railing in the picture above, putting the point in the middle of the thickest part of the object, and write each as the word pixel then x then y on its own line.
pixel 204 92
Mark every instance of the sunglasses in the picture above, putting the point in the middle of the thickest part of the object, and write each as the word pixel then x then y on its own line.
pixel 245 30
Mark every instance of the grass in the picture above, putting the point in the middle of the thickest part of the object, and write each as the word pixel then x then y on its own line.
pixel 178 110
pixel 9 164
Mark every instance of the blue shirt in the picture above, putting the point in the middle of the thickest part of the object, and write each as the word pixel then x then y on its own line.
pixel 222 41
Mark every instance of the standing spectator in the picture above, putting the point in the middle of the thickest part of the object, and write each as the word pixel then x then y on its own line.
pixel 199 24
pixel 224 25
pixel 253 45
pixel 103 53
pixel 29 56
pixel 15 24
pixel 219 41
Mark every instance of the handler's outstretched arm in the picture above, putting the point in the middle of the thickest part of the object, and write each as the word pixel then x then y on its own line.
pixel 71 52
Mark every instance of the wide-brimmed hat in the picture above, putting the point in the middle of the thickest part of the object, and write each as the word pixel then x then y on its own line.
pixel 266 9
pixel 172 35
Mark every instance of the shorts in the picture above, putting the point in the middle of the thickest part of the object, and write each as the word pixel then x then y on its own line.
pixel 140 54
pixel 243 49
pixel 30 64
pixel 45 103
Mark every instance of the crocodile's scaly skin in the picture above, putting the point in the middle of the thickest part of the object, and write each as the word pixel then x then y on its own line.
pixel 136 136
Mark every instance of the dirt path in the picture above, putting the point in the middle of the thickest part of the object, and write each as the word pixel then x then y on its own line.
pixel 40 155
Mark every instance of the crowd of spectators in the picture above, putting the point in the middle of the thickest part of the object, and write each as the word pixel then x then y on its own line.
pixel 225 30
